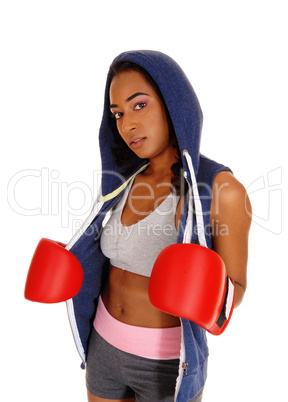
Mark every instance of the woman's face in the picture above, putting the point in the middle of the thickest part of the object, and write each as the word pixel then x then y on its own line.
pixel 140 116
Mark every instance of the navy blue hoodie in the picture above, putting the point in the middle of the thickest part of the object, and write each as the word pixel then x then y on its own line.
pixel 199 171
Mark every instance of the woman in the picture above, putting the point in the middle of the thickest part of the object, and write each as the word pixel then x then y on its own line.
pixel 149 140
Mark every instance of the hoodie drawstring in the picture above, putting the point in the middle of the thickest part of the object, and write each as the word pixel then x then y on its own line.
pixel 193 194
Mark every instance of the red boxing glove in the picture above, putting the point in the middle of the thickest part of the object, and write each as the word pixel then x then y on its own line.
pixel 190 281
pixel 55 274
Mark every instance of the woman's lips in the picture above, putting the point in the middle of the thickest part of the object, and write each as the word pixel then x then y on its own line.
pixel 137 142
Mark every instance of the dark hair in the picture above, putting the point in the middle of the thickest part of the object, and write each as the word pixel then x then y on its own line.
pixel 122 152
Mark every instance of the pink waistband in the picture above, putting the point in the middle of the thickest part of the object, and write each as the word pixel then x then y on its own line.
pixel 152 343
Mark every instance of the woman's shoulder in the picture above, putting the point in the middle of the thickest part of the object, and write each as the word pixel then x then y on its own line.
pixel 226 183
pixel 229 196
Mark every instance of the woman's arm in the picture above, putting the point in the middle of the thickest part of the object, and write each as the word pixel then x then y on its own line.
pixel 230 221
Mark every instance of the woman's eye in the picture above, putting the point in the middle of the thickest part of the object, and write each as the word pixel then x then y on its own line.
pixel 140 105
pixel 117 115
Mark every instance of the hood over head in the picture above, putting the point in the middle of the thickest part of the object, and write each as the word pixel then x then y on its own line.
pixel 181 102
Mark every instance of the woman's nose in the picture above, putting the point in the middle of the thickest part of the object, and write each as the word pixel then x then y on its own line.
pixel 127 124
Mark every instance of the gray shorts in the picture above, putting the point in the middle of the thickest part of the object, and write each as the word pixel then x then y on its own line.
pixel 114 374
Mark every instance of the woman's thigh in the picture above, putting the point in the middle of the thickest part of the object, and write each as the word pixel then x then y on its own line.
pixel 93 398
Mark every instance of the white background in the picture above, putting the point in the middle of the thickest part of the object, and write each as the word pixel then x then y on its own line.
pixel 54 60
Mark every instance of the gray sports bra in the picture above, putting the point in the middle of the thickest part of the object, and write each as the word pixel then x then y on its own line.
pixel 134 248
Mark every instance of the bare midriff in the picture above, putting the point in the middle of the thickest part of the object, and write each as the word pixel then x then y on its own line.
pixel 125 295
pixel 126 298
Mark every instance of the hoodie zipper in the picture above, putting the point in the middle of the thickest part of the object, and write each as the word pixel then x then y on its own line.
pixel 186 239
pixel 193 193
pixel 97 207
pixel 69 303
pixel 182 364
pixel 76 336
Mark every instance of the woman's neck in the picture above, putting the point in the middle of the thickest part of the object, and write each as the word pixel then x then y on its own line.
pixel 160 166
